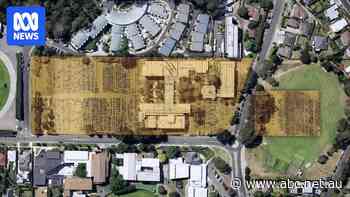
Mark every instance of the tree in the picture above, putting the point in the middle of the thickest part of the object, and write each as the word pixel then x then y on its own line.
pixel 225 137
pixel 174 194
pixel 162 190
pixel 222 166
pixel 243 12
pixel 322 159
pixel 305 57
pixel 251 46
pixel 116 181
pixel 172 152
pixel 266 4
pixel 342 125
pixel 272 81
pixel 259 88
pixel 347 87
pixel 80 171
pixel 253 24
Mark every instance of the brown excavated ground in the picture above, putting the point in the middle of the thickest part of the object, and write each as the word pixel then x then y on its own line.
pixel 86 96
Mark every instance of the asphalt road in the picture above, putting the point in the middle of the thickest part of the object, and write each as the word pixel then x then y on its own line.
pixel 270 33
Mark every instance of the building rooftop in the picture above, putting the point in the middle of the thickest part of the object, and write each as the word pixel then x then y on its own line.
pixel 183 11
pixel 140 169
pixel 177 30
pixel 45 164
pixel 149 25
pixel 338 25
pixel 99 167
pixel 77 184
pixel 178 169
pixel 332 12
pixel 319 43
pixel 76 156
pixel 198 175
pixel 3 161
pixel 167 47
pixel 293 23
pixel 197 192
pixel 285 51
pixel 345 38
pixel 158 10
pixel 116 40
pixel 307 28
pixel 289 39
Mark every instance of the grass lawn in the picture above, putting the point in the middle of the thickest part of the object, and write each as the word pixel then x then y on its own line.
pixel 307 149
pixel 4 81
pixel 138 193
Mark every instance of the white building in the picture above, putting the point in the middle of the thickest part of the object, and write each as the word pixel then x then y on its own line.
pixel 233 47
pixel 178 169
pixel 332 12
pixel 139 169
pixel 198 175
pixel 197 192
pixel 338 25
pixel 77 157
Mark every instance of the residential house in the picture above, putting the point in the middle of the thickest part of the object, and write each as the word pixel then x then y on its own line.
pixel 46 163
pixel 293 23
pixel 309 2
pixel 178 169
pixel 307 29
pixel 332 12
pixel 71 184
pixel 253 13
pixel 285 51
pixel 3 161
pixel 198 181
pixel 289 39
pixel 338 25
pixel 24 166
pixel 135 168
pixel 319 43
pixel 298 12
pixel 99 167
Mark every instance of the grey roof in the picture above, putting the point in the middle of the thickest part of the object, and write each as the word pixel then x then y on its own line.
pixel 97 26
pixel 44 164
pixel 201 27
pixel 116 38
pixel 157 10
pixel 307 28
pixel 177 30
pixel 149 25
pixel 197 37
pixel 320 42
pixel 167 47
pixel 197 46
pixel 292 22
pixel 285 52
pixel 132 30
pixel 308 2
pixel 203 18
pixel 193 158
pixel 138 42
pixel 290 39
pixel 24 161
pixel 79 39
pixel 183 11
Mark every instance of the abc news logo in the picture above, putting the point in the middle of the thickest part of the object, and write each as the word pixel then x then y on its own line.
pixel 26 25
